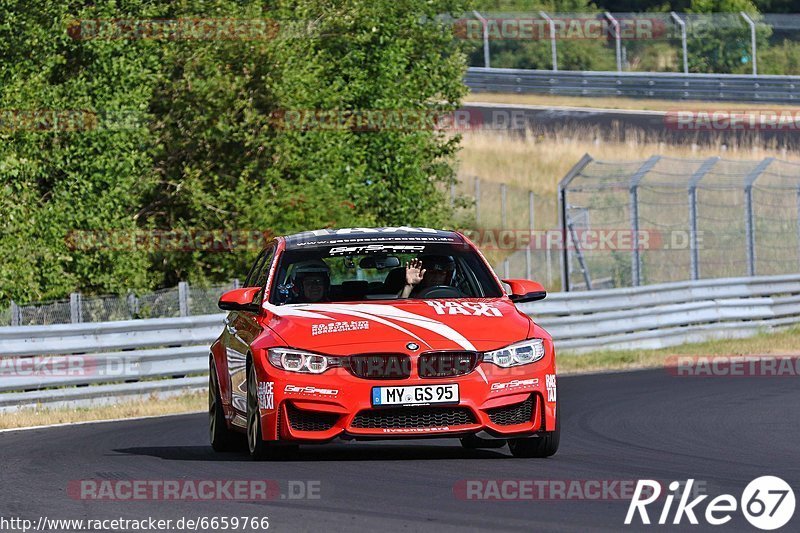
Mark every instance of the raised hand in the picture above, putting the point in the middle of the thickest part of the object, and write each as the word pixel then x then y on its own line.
pixel 414 272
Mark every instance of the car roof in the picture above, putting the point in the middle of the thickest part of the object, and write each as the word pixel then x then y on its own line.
pixel 327 237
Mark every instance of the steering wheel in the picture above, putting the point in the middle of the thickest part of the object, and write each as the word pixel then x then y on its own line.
pixel 440 291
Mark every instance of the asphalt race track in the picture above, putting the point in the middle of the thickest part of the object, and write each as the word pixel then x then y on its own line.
pixel 626 426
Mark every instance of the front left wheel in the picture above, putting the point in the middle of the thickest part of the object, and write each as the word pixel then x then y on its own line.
pixel 222 438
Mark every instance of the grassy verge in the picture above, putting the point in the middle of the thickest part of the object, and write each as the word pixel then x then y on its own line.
pixel 784 342
pixel 538 162
pixel 186 403
pixel 621 103
pixel 779 343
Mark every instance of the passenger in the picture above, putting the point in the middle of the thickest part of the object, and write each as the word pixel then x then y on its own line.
pixel 428 271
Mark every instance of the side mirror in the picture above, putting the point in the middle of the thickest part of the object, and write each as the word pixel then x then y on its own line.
pixel 240 300
pixel 524 290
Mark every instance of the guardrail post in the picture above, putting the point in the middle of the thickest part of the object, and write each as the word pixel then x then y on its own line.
pixel 553 46
pixel 694 265
pixel 636 259
pixel 16 312
pixel 528 265
pixel 486 53
pixel 682 24
pixel 236 283
pixel 562 217
pixel 183 298
pixel 749 221
pixel 75 308
pixel 617 39
pixel 752 25
pixel 477 200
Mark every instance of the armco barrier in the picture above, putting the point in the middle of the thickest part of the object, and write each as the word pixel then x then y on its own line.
pixel 663 85
pixel 136 358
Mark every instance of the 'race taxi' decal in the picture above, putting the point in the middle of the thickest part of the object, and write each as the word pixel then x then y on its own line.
pixel 266 395
pixel 464 308
pixel 550 383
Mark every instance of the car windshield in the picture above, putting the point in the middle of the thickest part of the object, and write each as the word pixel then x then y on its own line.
pixel 377 271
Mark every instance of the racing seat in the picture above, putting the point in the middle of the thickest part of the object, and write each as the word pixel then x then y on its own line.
pixel 395 280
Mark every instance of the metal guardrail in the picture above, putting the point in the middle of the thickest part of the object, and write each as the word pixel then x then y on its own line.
pixel 137 358
pixel 664 85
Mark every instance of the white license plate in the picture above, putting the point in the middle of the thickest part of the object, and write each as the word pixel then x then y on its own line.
pixel 415 394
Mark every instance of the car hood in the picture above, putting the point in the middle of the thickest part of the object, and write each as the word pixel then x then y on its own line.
pixel 457 324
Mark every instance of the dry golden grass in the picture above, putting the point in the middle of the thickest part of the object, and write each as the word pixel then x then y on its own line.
pixel 29 417
pixel 620 103
pixel 786 342
pixel 539 162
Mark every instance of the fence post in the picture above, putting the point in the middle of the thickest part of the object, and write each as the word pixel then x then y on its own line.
pixel 752 39
pixel 183 298
pixel 16 312
pixel 617 39
pixel 528 265
pixel 75 308
pixel 682 24
pixel 798 227
pixel 486 54
pixel 553 46
pixel 694 264
pixel 749 221
pixel 133 305
pixel 636 259
pixel 477 201
pixel 503 219
pixel 236 283
pixel 562 216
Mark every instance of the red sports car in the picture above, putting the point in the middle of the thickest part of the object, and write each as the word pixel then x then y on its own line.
pixel 380 333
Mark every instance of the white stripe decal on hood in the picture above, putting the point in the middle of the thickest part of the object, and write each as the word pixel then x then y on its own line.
pixel 378 313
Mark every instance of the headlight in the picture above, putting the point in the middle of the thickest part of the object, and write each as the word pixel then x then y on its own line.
pixel 521 353
pixel 300 361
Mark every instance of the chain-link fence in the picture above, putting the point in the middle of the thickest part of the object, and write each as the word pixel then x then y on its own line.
pixel 713 43
pixel 663 219
pixel 184 300
pixel 511 226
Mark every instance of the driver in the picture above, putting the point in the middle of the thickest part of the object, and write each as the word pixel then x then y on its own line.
pixel 428 271
pixel 311 280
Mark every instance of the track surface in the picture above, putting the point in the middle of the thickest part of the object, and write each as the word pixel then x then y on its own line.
pixel 724 431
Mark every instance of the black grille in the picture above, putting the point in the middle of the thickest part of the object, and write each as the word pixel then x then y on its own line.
pixel 301 420
pixel 508 415
pixel 446 364
pixel 380 366
pixel 414 417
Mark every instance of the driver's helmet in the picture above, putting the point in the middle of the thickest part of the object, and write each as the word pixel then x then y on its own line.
pixel 305 268
pixel 444 264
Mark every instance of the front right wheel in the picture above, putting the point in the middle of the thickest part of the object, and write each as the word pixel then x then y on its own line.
pixel 542 446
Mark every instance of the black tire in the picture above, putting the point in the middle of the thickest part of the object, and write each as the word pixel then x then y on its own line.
pixel 472 442
pixel 542 446
pixel 258 448
pixel 222 438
